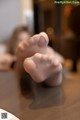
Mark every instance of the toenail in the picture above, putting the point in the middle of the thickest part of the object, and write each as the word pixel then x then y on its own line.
pixel 42 41
pixel 44 35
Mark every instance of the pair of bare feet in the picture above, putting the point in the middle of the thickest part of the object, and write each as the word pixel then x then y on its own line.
pixel 40 61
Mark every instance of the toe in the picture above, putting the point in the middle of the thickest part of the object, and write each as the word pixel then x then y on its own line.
pixel 44 36
pixel 31 41
pixel 35 38
pixel 29 65
pixel 44 58
pixel 20 47
pixel 36 57
pixel 23 45
pixel 43 41
pixel 55 62
pixel 50 59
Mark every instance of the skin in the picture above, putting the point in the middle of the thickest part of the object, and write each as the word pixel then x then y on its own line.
pixel 28 49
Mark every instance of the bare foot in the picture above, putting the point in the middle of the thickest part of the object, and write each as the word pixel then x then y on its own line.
pixel 41 67
pixel 36 44
pixel 58 56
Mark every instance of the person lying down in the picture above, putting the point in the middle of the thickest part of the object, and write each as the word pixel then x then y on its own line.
pixel 41 61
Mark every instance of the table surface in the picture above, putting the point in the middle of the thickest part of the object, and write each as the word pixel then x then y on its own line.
pixel 58 103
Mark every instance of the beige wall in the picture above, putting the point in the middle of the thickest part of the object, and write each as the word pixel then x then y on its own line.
pixel 25 5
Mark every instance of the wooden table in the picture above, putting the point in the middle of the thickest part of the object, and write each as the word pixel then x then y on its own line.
pixel 59 103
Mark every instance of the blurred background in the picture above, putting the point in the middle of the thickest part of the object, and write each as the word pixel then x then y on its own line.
pixel 20 19
pixel 60 21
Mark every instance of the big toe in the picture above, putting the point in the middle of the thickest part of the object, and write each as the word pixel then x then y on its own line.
pixel 29 65
pixel 43 39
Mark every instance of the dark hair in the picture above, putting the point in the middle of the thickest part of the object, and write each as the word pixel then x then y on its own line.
pixel 14 35
pixel 19 30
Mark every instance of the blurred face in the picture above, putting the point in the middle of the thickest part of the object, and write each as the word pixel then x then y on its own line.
pixel 22 36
